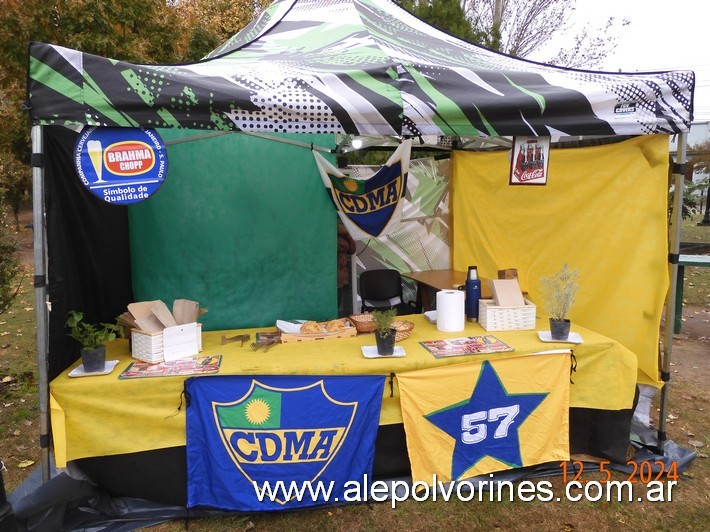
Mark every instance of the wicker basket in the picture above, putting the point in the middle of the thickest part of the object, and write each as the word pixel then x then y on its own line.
pixel 493 318
pixel 363 323
pixel 404 329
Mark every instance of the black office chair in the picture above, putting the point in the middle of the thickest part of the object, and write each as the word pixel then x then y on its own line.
pixel 382 290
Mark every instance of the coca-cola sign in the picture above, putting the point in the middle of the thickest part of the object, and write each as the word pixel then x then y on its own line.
pixel 528 165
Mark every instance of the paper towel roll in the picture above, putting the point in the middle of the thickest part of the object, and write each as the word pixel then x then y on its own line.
pixel 450 310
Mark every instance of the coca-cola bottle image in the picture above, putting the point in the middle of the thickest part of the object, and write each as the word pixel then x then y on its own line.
pixel 538 155
pixel 520 163
pixel 530 156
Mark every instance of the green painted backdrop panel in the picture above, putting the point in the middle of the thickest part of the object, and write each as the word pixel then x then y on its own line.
pixel 244 226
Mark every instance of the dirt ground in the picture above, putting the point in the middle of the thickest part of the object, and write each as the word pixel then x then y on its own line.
pixel 26 252
pixel 690 357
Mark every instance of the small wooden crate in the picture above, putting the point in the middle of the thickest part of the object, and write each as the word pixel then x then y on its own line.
pixel 494 318
pixel 148 347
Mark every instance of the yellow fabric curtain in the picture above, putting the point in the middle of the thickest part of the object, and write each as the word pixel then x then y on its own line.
pixel 603 211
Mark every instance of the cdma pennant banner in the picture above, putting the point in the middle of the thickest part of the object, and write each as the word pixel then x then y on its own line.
pixel 369 207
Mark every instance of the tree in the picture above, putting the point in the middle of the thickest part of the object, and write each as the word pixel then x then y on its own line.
pixel 699 157
pixel 15 181
pixel 136 30
pixel 9 266
pixel 139 31
pixel 519 27
pixel 123 29
pixel 446 15
pixel 208 23
pixel 698 163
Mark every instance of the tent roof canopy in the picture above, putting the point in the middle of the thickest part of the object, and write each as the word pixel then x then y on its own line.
pixel 362 67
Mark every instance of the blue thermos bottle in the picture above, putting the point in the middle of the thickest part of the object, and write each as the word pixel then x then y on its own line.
pixel 473 293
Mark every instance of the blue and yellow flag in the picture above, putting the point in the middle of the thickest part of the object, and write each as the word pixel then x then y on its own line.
pixel 475 418
pixel 369 207
pixel 246 435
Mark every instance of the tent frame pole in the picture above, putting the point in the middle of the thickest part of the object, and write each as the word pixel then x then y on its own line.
pixel 41 301
pixel 674 247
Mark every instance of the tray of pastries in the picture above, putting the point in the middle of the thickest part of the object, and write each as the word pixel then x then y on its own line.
pixel 318 330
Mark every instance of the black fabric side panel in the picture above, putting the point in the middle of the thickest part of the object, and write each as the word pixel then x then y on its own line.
pixel 601 433
pixel 88 251
pixel 158 476
pixel 391 457
pixel 161 475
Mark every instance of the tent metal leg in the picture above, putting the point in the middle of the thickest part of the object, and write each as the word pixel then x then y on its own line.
pixel 674 247
pixel 41 301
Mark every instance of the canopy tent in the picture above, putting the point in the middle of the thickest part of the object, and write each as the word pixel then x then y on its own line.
pixel 342 66
pixel 354 66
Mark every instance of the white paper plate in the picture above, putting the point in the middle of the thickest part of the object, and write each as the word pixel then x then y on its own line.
pixel 79 370
pixel 546 336
pixel 370 351
pixel 430 315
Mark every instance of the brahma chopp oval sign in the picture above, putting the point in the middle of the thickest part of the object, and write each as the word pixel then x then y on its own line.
pixel 121 165
pixel 129 158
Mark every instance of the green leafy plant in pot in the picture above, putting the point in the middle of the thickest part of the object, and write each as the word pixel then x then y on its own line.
pixel 559 292
pixel 385 334
pixel 92 338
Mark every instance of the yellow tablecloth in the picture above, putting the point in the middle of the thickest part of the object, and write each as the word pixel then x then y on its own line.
pixel 102 415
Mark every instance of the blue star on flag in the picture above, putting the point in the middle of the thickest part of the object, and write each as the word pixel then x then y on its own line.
pixel 487 424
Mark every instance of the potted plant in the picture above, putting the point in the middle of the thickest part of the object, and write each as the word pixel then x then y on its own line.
pixel 559 292
pixel 92 338
pixel 384 332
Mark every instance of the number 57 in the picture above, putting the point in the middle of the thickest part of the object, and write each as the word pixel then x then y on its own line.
pixel 473 432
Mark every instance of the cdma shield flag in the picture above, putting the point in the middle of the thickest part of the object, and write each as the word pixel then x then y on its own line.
pixel 244 432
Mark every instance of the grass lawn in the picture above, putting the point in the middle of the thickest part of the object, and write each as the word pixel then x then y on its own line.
pixel 19 415
pixel 697 279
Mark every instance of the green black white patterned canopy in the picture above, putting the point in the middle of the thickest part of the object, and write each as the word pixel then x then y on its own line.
pixel 354 66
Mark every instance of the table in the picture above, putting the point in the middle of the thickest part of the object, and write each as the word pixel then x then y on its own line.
pixel 104 416
pixel 431 281
pixel 683 261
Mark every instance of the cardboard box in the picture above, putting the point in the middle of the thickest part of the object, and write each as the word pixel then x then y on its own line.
pixel 510 273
